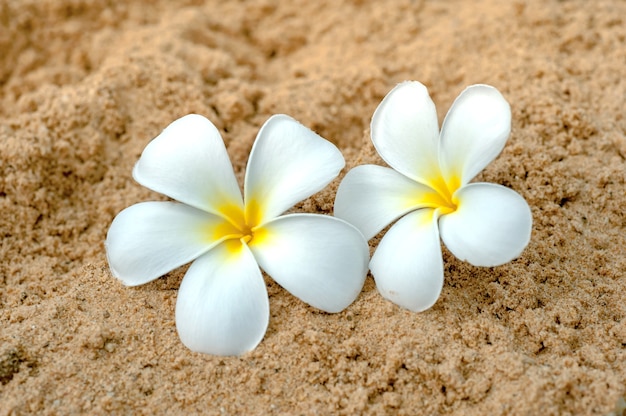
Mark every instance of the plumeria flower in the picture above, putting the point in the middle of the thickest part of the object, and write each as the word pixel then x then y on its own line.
pixel 222 306
pixel 429 191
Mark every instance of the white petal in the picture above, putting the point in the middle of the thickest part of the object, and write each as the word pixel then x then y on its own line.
pixel 149 239
pixel 408 265
pixel 288 163
pixel 491 225
pixel 371 197
pixel 473 132
pixel 222 306
pixel 188 162
pixel 405 131
pixel 320 259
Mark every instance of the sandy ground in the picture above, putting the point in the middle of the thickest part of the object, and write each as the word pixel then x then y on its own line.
pixel 85 84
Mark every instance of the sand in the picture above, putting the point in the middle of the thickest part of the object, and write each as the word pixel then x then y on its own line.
pixel 86 84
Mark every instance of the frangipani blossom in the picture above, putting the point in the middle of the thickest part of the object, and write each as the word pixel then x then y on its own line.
pixel 222 306
pixel 429 191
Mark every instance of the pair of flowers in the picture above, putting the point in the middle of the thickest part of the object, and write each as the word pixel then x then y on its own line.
pixel 222 306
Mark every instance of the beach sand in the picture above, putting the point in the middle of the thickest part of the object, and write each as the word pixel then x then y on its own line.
pixel 86 84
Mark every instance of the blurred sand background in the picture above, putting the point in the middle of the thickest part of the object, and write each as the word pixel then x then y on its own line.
pixel 86 84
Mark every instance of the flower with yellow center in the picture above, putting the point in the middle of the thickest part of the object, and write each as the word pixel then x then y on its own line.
pixel 222 306
pixel 429 194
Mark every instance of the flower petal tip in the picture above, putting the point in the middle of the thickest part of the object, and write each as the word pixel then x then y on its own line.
pixel 222 307
pixel 288 163
pixel 319 259
pixel 408 264
pixel 492 226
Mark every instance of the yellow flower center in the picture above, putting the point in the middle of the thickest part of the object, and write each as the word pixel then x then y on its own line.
pixel 442 197
pixel 241 226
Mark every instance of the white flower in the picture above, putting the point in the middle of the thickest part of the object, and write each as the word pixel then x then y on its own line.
pixel 429 190
pixel 222 306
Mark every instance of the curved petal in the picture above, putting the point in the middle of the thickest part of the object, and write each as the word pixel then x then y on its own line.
pixel 149 239
pixel 222 306
pixel 408 265
pixel 320 259
pixel 405 131
pixel 188 162
pixel 288 163
pixel 490 227
pixel 371 197
pixel 473 133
